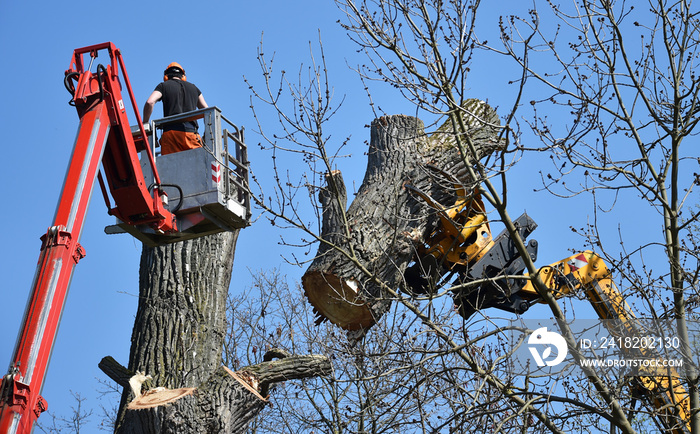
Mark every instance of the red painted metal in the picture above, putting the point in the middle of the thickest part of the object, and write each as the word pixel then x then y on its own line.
pixel 134 203
pixel 104 136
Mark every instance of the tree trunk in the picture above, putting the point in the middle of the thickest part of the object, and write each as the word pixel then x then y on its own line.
pixel 177 345
pixel 409 177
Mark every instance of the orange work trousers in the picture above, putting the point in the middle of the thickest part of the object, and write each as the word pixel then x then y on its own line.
pixel 176 141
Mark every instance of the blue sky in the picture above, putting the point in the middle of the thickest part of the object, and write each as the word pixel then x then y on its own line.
pixel 216 42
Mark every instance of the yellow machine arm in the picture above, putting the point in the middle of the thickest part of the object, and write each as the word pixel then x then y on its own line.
pixel 462 244
pixel 587 272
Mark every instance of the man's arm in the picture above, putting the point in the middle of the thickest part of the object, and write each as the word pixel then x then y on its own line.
pixel 201 103
pixel 150 103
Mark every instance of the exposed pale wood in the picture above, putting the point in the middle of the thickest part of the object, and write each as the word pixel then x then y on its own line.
pixel 159 397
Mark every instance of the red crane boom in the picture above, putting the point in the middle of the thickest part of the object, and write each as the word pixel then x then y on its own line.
pixel 104 137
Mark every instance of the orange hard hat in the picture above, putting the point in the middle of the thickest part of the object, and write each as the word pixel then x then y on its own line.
pixel 174 69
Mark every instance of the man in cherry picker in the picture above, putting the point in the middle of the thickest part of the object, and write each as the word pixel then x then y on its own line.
pixel 179 96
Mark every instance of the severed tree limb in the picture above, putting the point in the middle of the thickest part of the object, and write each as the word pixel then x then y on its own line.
pixel 386 220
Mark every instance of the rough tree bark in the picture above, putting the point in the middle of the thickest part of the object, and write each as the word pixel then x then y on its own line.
pixel 177 345
pixel 372 243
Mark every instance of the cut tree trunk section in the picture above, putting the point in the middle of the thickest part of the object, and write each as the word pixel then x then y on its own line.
pixel 369 246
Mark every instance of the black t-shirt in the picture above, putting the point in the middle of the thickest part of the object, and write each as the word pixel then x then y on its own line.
pixel 179 97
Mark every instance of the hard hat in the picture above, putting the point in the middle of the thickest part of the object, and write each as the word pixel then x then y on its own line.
pixel 174 69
